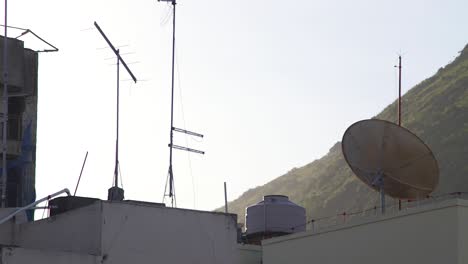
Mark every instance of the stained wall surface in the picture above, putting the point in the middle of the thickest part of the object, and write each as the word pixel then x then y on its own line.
pixel 430 234
pixel 14 255
pixel 126 232
pixel 142 233
pixel 250 254
pixel 22 121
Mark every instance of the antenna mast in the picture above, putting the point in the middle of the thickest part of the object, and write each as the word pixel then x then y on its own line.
pixel 170 174
pixel 115 193
pixel 399 106
pixel 399 90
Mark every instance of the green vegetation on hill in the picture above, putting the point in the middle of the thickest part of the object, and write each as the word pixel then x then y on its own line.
pixel 436 110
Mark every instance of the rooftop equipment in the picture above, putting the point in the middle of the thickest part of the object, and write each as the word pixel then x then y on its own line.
pixel 390 159
pixel 276 215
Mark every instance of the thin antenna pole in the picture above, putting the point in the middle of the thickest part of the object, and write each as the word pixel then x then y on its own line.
pixel 5 112
pixel 116 169
pixel 382 198
pixel 79 178
pixel 115 193
pixel 171 175
pixel 399 90
pixel 225 199
pixel 399 106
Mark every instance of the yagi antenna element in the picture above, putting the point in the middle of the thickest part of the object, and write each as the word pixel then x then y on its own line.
pixel 115 51
pixel 115 193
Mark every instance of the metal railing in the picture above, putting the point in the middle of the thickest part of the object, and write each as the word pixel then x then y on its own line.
pixel 31 205
pixel 345 217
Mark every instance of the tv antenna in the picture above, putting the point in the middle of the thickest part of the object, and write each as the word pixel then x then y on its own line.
pixel 170 174
pixel 115 193
pixel 390 159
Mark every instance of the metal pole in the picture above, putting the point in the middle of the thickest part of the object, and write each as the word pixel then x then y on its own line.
pixel 225 199
pixel 399 90
pixel 116 169
pixel 79 178
pixel 171 176
pixel 5 113
pixel 264 216
pixel 399 106
pixel 382 198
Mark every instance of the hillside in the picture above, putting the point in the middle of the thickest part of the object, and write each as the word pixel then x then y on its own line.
pixel 436 110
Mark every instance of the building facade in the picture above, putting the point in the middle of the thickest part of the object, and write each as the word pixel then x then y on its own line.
pixel 22 69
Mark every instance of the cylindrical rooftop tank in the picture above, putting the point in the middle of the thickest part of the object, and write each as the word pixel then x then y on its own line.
pixel 275 214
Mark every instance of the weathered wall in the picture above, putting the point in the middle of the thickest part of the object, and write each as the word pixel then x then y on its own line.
pixel 7 228
pixel 22 122
pixel 433 234
pixel 132 232
pixel 462 233
pixel 250 254
pixel 15 62
pixel 76 231
pixel 13 255
pixel 138 233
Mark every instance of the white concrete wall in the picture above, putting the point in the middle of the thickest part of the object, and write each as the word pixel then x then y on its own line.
pixel 463 232
pixel 7 228
pixel 138 233
pixel 250 254
pixel 142 233
pixel 75 231
pixel 126 232
pixel 431 235
pixel 13 255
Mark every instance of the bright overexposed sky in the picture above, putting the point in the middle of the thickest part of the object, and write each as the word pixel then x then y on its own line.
pixel 271 84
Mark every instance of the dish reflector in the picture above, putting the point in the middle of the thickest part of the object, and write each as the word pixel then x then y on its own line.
pixel 380 150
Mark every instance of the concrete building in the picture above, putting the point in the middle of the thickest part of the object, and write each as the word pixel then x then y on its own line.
pixel 431 234
pixel 124 232
pixel 22 117
pixel 140 232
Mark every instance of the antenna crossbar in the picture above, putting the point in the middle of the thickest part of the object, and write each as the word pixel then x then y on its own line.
pixel 186 149
pixel 115 51
pixel 186 132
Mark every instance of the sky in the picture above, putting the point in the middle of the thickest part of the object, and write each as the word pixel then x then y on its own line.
pixel 271 85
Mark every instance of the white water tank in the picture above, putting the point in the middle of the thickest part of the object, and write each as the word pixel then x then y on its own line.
pixel 275 214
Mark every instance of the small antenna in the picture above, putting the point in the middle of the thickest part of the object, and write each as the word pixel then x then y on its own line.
pixel 170 174
pixel 225 199
pixel 399 90
pixel 115 193
pixel 399 106
pixel 79 178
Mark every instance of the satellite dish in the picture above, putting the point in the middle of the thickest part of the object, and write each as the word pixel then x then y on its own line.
pixel 390 159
